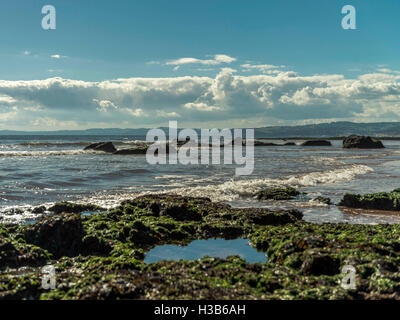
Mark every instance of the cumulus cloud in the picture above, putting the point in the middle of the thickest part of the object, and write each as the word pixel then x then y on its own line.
pixel 228 98
pixel 218 59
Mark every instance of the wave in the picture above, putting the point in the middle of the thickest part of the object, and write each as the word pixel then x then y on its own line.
pixel 44 153
pixel 77 143
pixel 234 189
pixel 52 144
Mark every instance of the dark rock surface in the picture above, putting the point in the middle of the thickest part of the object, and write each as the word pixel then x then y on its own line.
pixel 362 142
pixel 102 146
pixel 277 194
pixel 316 143
pixel 374 201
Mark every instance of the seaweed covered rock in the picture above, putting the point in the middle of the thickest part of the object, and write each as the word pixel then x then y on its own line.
pixel 266 217
pixel 19 254
pixel 373 201
pixel 70 207
pixel 316 143
pixel 106 260
pixel 277 193
pixel 324 200
pixel 102 146
pixel 362 142
pixel 60 235
pixel 317 263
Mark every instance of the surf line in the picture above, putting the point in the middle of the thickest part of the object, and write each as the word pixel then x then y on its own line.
pixel 188 153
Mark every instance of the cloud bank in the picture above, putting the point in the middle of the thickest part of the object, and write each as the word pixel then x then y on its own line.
pixel 226 100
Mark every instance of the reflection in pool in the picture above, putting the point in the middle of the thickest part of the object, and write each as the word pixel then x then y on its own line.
pixel 197 249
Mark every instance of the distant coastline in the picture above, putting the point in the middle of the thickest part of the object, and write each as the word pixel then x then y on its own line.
pixel 332 131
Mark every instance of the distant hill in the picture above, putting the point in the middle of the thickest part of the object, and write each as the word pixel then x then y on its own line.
pixel 332 129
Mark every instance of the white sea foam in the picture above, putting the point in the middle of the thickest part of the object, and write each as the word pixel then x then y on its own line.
pixel 235 189
pixel 44 153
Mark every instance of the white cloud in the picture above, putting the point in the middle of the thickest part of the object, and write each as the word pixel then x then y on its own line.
pixel 57 56
pixel 264 68
pixel 218 59
pixel 227 99
pixel 104 105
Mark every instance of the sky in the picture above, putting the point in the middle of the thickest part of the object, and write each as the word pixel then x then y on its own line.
pixel 209 63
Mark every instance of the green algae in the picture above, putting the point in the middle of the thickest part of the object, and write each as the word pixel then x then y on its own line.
pixel 373 201
pixel 101 256
pixel 277 193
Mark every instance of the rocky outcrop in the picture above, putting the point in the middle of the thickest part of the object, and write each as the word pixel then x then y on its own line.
pixel 60 235
pixel 374 201
pixel 316 143
pixel 277 194
pixel 362 142
pixel 102 146
pixel 102 256
pixel 69 207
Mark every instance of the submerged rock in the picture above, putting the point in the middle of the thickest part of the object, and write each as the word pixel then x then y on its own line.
pixel 277 194
pixel 362 142
pixel 324 200
pixel 316 143
pixel 102 146
pixel 373 201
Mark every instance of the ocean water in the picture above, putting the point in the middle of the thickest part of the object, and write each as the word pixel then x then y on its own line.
pixel 40 170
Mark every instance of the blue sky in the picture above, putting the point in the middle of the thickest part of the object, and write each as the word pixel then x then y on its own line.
pixel 205 63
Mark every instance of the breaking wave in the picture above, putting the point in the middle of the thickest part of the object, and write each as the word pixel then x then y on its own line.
pixel 43 153
pixel 231 190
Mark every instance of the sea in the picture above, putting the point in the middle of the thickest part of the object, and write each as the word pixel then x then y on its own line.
pixel 41 170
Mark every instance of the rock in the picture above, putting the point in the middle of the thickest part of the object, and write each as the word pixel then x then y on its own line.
pixel 70 207
pixel 362 142
pixel 39 209
pixel 277 193
pixel 323 200
pixel 59 235
pixel 102 146
pixel 262 217
pixel 320 264
pixel 373 201
pixel 139 150
pixel 181 212
pixel 316 143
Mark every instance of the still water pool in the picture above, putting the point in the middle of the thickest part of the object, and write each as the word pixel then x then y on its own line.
pixel 218 248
